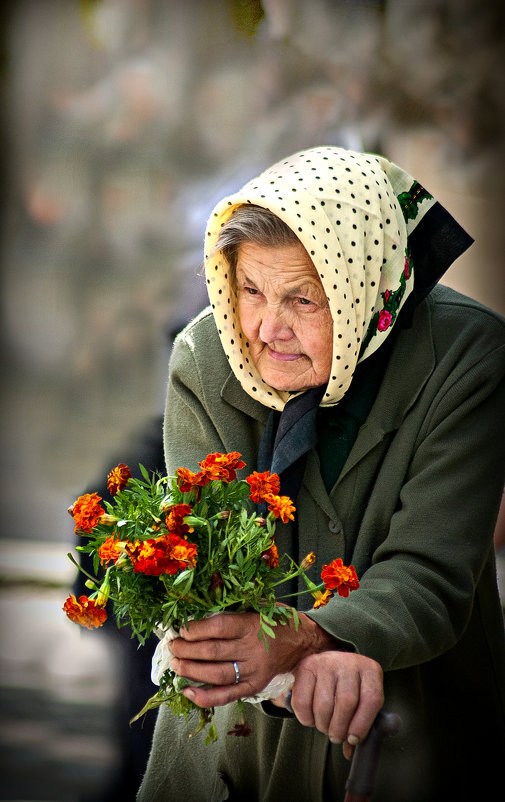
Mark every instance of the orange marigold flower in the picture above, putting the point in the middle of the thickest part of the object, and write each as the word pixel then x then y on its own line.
pixel 175 519
pixel 167 554
pixel 110 549
pixel 339 577
pixel 85 612
pixel 183 552
pixel 262 484
pixel 222 467
pixel 118 478
pixel 322 598
pixel 271 556
pixel 187 480
pixel 87 512
pixel 281 506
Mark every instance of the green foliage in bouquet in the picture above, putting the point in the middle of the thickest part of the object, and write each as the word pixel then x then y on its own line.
pixel 173 549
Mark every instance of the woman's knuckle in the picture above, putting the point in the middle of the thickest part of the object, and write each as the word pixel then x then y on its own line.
pixel 378 696
pixel 182 668
pixel 347 699
pixel 320 708
pixel 211 651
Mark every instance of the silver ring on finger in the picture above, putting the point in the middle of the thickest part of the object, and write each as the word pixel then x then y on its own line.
pixel 237 672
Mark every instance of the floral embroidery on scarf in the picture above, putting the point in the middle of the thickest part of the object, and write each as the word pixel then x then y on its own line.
pixel 409 201
pixel 385 317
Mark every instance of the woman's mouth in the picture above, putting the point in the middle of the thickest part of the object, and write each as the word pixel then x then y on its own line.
pixel 281 356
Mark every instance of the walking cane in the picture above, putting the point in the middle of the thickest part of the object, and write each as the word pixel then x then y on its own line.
pixel 360 783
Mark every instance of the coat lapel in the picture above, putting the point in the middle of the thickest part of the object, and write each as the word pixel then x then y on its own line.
pixel 404 380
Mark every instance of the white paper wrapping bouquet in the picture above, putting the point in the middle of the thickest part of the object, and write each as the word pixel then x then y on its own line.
pixel 161 662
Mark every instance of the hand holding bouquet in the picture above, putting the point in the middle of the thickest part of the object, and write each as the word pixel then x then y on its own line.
pixel 174 549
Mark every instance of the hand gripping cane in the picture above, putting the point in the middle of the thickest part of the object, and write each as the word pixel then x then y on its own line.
pixel 360 783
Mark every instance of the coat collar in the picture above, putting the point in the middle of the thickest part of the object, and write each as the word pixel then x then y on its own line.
pixel 233 394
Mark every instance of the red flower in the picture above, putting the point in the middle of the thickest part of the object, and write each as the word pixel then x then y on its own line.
pixel 262 484
pixel 339 577
pixel 85 612
pixel 385 320
pixel 281 506
pixel 187 480
pixel 118 478
pixel 222 467
pixel 271 556
pixel 175 519
pixel 110 549
pixel 167 554
pixel 406 269
pixel 87 512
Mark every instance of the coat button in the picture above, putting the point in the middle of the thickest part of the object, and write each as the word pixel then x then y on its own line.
pixel 334 527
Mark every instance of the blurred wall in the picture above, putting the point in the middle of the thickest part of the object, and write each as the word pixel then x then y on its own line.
pixel 128 119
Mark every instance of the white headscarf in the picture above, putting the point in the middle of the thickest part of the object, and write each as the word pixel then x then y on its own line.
pixel 353 213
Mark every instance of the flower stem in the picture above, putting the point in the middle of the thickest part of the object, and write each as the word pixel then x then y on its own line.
pixel 302 592
pixel 81 569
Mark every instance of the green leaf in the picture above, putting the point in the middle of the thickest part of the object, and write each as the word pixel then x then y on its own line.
pixel 144 473
pixel 211 734
pixel 267 630
pixel 182 577
pixel 183 582
pixel 268 619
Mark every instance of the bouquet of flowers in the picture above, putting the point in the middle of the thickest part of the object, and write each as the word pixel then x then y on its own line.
pixel 173 549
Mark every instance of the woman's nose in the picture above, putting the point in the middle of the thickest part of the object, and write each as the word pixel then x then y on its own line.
pixel 274 325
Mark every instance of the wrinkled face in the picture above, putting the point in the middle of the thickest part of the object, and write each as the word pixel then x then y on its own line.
pixel 284 315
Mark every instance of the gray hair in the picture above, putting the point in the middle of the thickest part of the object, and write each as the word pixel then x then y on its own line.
pixel 251 223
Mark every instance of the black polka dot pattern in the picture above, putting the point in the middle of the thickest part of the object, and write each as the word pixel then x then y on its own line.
pixel 343 207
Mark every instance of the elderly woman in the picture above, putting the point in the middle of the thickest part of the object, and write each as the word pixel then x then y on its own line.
pixel 330 357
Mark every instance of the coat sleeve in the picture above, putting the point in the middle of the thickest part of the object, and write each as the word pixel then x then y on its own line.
pixel 417 595
pixel 189 434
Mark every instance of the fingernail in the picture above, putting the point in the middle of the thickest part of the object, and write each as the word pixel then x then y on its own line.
pixel 189 693
pixel 353 740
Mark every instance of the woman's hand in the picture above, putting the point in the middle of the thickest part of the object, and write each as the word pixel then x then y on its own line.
pixel 207 649
pixel 339 693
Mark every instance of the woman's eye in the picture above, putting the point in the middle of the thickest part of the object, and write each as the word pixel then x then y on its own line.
pixel 251 290
pixel 304 301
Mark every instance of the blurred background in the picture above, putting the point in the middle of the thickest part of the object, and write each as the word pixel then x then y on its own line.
pixel 126 121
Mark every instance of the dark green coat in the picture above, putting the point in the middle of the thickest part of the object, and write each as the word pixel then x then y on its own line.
pixel 413 510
